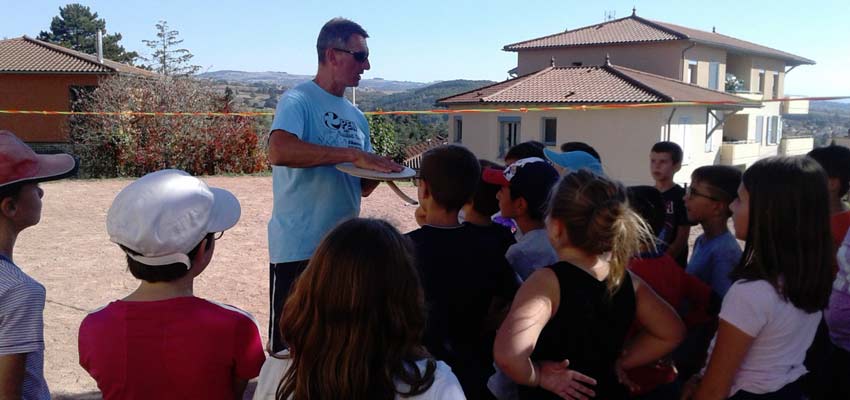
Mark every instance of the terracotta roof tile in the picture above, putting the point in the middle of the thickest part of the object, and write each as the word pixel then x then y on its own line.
pixel 589 85
pixel 624 30
pixel 25 54
pixel 421 147
pixel 634 29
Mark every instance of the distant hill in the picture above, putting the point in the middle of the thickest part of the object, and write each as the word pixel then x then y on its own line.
pixel 417 99
pixel 825 120
pixel 290 80
pixel 830 107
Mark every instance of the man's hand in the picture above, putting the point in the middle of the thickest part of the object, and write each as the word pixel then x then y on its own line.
pixel 375 163
pixel 557 378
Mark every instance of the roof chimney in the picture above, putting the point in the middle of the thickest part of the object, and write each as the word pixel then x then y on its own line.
pixel 713 29
pixel 100 46
pixel 634 11
pixel 607 59
pixel 552 62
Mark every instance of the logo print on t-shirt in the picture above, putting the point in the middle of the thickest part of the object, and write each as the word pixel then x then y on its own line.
pixel 332 120
pixel 346 133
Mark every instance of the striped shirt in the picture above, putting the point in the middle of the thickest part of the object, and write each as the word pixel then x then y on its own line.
pixel 22 325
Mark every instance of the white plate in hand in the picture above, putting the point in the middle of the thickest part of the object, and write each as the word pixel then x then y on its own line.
pixel 350 169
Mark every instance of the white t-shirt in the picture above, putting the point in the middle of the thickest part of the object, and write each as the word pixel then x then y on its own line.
pixel 445 386
pixel 782 332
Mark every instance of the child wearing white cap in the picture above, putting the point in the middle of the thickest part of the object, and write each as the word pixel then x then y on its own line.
pixel 161 341
pixel 22 297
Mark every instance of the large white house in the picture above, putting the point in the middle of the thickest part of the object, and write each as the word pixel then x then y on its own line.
pixel 636 61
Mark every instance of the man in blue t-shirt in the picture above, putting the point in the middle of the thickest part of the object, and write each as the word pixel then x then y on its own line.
pixel 314 128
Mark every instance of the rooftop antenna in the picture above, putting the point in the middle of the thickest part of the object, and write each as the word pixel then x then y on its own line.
pixel 610 14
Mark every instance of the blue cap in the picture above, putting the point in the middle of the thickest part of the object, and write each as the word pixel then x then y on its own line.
pixel 575 160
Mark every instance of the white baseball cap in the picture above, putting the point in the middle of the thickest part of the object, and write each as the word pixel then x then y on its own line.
pixel 165 214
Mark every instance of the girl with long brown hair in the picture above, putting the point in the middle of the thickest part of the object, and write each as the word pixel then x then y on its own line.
pixel 563 337
pixel 354 324
pixel 771 313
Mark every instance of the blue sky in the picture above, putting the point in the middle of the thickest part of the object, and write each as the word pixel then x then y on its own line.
pixel 442 40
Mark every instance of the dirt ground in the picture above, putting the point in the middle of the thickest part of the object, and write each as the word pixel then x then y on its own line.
pixel 71 255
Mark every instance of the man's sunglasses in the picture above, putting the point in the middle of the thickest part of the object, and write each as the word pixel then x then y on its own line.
pixel 359 56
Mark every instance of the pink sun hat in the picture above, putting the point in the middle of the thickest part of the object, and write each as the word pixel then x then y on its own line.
pixel 18 163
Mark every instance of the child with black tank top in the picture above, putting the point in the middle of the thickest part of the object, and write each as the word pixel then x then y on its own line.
pixel 564 336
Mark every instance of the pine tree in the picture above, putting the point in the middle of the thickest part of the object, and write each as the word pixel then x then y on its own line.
pixel 166 59
pixel 76 28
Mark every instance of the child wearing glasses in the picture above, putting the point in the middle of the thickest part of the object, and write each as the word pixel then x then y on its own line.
pixel 707 200
pixel 161 341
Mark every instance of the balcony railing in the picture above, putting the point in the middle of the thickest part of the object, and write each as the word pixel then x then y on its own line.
pixel 796 145
pixel 748 95
pixel 795 107
pixel 742 152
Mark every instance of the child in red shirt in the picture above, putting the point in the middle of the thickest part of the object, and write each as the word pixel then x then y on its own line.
pixel 691 297
pixel 162 342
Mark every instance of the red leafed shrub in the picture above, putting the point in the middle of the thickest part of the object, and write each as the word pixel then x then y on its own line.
pixel 133 145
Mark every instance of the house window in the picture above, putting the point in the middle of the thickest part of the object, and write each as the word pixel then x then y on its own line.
pixel 550 130
pixel 680 136
pixel 775 91
pixel 761 82
pixel 759 128
pixel 714 75
pixel 458 130
pixel 508 134
pixel 692 72
pixel 772 130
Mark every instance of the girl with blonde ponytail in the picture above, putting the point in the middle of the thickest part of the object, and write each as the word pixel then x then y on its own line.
pixel 563 337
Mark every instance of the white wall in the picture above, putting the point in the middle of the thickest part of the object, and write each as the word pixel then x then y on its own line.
pixel 622 137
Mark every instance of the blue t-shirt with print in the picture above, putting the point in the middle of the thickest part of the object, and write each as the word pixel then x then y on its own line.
pixel 714 259
pixel 309 202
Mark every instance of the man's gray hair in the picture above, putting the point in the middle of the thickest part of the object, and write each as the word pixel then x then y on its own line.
pixel 335 34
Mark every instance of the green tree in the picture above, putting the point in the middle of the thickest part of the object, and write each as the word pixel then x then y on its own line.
pixel 383 137
pixel 166 58
pixel 76 28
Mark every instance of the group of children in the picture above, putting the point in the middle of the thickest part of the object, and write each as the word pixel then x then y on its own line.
pixel 540 279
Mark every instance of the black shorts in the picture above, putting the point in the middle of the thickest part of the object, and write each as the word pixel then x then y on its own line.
pixel 281 278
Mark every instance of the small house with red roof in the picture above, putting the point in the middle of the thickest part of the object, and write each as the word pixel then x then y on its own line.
pixel 41 76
